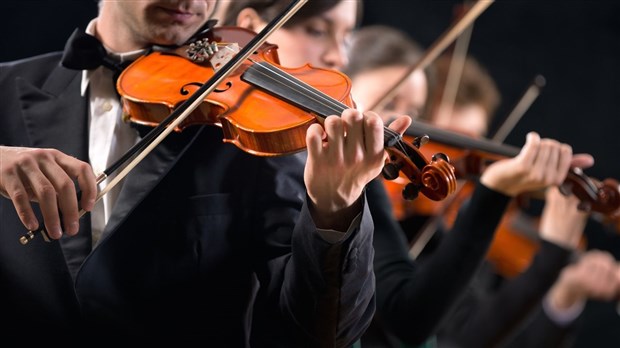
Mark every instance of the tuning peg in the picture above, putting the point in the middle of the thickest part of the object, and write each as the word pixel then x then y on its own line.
pixel 419 141
pixel 391 170
pixel 410 192
pixel 440 155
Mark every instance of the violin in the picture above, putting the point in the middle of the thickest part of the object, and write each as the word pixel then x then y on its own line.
pixel 262 107
pixel 597 196
pixel 512 250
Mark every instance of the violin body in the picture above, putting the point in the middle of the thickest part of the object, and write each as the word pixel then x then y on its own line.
pixel 157 83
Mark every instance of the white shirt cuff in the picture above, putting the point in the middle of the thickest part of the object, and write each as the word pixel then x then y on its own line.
pixel 563 317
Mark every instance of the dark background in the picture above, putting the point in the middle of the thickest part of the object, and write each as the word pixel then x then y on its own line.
pixel 575 45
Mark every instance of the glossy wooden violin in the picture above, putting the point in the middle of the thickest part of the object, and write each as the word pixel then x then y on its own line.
pixel 515 241
pixel 262 107
pixel 597 196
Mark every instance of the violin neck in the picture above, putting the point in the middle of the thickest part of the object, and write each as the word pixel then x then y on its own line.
pixel 290 89
pixel 418 129
pixel 284 86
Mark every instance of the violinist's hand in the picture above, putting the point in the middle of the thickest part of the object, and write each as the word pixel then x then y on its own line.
pixel 46 176
pixel 594 276
pixel 562 222
pixel 343 156
pixel 541 163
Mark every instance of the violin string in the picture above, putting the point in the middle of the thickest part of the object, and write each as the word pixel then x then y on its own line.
pixel 336 106
pixel 304 89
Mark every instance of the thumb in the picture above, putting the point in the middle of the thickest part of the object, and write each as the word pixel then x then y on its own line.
pixel 400 124
pixel 582 160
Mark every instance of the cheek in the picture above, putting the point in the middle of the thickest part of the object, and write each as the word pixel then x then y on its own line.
pixel 295 52
pixel 472 125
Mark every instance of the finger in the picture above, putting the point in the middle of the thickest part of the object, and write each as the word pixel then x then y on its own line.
pixel 529 150
pixel 582 160
pixel 540 167
pixel 400 124
pixel 547 159
pixel 314 140
pixel 565 155
pixel 45 193
pixel 373 133
pixel 66 196
pixel 87 181
pixel 334 131
pixel 18 193
pixel 353 145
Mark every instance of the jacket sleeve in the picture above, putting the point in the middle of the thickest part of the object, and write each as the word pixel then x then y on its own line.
pixel 495 317
pixel 541 332
pixel 412 296
pixel 319 291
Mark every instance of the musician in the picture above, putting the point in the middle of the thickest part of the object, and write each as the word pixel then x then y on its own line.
pixel 198 240
pixel 476 321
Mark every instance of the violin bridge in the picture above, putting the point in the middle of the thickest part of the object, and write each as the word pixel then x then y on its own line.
pixel 223 55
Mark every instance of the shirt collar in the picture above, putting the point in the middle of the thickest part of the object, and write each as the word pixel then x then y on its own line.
pixel 121 57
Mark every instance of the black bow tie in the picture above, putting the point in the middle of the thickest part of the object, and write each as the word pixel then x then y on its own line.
pixel 85 52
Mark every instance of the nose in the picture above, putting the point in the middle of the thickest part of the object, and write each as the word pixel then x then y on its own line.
pixel 335 56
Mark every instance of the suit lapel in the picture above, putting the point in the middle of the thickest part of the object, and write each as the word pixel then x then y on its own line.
pixel 54 118
pixel 150 171
pixel 54 112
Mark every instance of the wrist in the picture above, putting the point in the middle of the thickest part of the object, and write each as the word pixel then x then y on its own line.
pixel 562 316
pixel 563 300
pixel 335 218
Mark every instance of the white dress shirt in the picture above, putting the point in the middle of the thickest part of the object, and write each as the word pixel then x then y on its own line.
pixel 109 136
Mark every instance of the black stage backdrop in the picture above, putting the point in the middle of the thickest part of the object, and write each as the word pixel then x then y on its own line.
pixel 575 45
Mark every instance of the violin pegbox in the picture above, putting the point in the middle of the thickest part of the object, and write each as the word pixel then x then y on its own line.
pixel 201 50
pixel 435 179
pixel 217 54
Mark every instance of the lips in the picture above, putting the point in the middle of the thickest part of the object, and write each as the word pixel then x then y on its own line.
pixel 177 14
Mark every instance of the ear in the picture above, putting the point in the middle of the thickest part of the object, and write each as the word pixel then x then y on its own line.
pixel 248 18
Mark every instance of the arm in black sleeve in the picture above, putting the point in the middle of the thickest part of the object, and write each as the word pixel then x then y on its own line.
pixel 542 332
pixel 496 317
pixel 412 298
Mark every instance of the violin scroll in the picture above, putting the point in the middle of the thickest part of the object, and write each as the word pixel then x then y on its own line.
pixel 595 196
pixel 435 179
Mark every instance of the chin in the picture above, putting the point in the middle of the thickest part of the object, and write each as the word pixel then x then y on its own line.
pixel 172 37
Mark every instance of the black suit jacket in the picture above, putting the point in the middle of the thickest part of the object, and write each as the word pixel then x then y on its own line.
pixel 205 239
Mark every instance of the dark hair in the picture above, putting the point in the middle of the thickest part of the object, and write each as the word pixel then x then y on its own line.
pixel 269 9
pixel 476 85
pixel 377 46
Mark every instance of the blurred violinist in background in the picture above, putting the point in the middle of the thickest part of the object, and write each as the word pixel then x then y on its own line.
pixel 382 54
